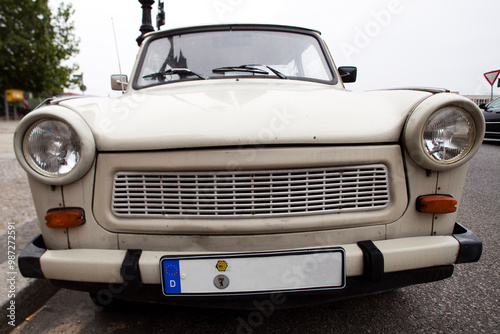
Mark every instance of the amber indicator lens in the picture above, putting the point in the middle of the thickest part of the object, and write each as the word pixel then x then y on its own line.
pixel 436 204
pixel 63 218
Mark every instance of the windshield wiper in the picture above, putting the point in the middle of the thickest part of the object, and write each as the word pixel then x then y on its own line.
pixel 278 73
pixel 180 71
pixel 249 68
pixel 242 68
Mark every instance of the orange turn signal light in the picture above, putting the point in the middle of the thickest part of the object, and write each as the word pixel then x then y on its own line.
pixel 65 217
pixel 436 204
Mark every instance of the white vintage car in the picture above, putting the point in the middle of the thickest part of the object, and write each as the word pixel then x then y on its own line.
pixel 236 169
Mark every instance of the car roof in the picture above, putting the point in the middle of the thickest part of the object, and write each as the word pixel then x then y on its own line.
pixel 229 27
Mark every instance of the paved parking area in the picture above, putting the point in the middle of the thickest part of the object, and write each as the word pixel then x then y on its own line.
pixel 6 133
pixel 16 206
pixel 15 198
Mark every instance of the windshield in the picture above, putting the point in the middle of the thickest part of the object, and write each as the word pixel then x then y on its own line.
pixel 495 104
pixel 222 54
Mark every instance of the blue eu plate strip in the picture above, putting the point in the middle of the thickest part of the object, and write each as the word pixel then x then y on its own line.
pixel 172 276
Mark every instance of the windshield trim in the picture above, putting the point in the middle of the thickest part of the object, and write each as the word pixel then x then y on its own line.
pixel 238 27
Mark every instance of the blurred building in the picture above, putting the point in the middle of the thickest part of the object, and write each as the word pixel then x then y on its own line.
pixel 480 99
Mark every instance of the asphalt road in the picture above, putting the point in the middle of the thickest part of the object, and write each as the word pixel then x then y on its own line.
pixel 468 302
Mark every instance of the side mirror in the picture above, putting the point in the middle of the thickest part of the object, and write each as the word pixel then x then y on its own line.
pixel 119 82
pixel 348 73
pixel 482 106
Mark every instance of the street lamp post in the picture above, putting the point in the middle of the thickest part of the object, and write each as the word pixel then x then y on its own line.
pixel 146 19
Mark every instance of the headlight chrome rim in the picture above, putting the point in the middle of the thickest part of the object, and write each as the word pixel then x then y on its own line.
pixel 81 131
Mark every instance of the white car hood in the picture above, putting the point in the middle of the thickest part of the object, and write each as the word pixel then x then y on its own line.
pixel 244 112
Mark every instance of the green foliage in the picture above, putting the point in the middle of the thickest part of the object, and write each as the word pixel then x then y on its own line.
pixel 34 43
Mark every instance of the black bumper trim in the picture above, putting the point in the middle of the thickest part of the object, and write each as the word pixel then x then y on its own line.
pixel 130 272
pixel 29 259
pixel 373 261
pixel 471 246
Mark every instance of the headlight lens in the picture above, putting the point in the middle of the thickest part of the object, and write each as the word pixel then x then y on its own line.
pixel 52 147
pixel 448 135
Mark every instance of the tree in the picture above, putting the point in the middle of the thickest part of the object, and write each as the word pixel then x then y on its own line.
pixel 34 43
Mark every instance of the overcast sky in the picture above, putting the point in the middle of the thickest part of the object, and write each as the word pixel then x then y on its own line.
pixel 394 43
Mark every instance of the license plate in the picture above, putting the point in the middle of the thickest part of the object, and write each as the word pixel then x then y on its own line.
pixel 315 269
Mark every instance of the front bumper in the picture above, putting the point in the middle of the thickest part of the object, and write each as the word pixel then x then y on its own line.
pixel 370 267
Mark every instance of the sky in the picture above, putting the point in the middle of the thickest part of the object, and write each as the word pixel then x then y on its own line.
pixel 393 43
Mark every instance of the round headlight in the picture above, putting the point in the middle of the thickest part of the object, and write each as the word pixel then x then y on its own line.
pixel 52 147
pixel 448 135
pixel 444 131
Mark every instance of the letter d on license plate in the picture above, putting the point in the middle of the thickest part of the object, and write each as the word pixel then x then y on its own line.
pixel 254 272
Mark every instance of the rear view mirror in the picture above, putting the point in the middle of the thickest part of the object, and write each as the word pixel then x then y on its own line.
pixel 348 73
pixel 119 82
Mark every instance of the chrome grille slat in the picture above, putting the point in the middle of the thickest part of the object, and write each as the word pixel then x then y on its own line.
pixel 250 179
pixel 379 199
pixel 250 193
pixel 276 197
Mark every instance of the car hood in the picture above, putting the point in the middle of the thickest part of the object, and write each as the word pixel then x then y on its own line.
pixel 244 112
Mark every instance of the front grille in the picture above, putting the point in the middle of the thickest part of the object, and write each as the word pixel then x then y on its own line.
pixel 243 194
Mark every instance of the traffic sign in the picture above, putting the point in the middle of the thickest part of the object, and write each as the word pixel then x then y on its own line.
pixel 492 76
pixel 14 95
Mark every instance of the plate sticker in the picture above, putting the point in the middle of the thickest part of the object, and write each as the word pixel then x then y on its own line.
pixel 221 281
pixel 172 275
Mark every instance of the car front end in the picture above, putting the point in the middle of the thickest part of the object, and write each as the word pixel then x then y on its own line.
pixel 219 184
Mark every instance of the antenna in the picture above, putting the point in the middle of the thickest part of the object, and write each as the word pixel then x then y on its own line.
pixel 118 56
